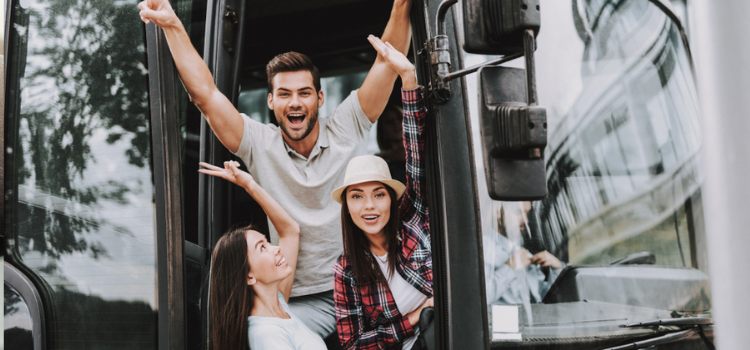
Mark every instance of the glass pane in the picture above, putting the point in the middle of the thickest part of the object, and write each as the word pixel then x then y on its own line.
pixel 193 16
pixel 624 182
pixel 79 191
pixel 18 323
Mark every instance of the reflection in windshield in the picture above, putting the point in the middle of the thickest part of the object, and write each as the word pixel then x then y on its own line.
pixel 518 268
pixel 622 161
pixel 79 189
pixel 623 176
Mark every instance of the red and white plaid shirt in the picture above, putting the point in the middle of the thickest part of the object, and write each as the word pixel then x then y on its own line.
pixel 366 315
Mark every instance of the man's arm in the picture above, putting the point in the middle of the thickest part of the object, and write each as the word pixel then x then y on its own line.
pixel 375 91
pixel 221 115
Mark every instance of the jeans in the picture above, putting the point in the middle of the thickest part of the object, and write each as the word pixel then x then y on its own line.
pixel 316 311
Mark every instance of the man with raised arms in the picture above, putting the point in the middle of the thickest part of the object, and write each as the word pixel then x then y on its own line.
pixel 300 162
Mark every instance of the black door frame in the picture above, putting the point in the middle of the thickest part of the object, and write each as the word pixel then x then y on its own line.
pixel 165 153
pixel 460 307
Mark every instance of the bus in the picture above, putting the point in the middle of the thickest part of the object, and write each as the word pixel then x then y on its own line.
pixel 109 228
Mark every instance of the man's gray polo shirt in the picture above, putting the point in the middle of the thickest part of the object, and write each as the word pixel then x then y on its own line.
pixel 303 186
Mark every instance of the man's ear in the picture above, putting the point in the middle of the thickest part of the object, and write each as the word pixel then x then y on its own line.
pixel 251 280
pixel 320 98
pixel 270 100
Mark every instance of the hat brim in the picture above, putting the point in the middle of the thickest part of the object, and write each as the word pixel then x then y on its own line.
pixel 396 185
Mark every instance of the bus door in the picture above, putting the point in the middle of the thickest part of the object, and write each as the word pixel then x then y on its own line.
pixel 200 206
pixel 84 223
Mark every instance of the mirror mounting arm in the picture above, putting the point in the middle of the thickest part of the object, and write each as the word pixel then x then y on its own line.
pixel 440 57
pixel 472 69
pixel 440 60
pixel 441 13
pixel 529 45
pixel 438 47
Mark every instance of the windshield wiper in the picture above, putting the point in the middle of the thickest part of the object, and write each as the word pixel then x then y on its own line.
pixel 695 325
pixel 660 340
pixel 682 321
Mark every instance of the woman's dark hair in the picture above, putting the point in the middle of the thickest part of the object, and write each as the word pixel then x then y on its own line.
pixel 231 296
pixel 357 246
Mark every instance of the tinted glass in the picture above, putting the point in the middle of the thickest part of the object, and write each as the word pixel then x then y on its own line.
pixel 193 17
pixel 78 182
pixel 624 182
pixel 17 321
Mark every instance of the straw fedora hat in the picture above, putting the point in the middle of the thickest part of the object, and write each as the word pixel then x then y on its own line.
pixel 368 168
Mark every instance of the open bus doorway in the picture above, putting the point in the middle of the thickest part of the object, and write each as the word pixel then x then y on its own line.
pixel 333 34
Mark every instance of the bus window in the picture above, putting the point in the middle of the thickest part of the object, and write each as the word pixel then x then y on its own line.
pixel 78 178
pixel 623 174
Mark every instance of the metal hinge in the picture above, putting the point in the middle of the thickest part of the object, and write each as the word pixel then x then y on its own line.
pixel 229 30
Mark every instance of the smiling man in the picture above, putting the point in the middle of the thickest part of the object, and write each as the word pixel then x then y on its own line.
pixel 300 162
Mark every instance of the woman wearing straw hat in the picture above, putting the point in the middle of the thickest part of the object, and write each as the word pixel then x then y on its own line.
pixel 383 279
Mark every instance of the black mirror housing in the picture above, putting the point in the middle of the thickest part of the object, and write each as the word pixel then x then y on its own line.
pixel 497 26
pixel 514 135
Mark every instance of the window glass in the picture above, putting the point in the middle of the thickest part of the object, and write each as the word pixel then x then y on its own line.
pixel 18 326
pixel 79 193
pixel 193 16
pixel 623 179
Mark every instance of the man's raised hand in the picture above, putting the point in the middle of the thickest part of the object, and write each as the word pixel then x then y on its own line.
pixel 158 11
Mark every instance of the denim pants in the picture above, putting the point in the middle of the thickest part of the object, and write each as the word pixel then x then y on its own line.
pixel 316 311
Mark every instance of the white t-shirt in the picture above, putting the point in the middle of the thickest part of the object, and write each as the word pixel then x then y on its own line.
pixel 407 297
pixel 282 334
pixel 303 186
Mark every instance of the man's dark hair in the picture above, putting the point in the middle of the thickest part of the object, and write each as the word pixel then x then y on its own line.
pixel 291 62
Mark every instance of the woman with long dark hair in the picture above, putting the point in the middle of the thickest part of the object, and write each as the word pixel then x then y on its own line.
pixel 251 279
pixel 383 279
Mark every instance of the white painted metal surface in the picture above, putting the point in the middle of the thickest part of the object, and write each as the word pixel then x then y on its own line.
pixel 722 52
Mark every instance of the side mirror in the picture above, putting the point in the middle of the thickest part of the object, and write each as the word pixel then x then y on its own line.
pixel 514 135
pixel 497 26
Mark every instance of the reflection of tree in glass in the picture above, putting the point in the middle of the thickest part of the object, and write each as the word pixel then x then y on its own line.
pixel 16 337
pixel 557 184
pixel 104 324
pixel 84 73
pixel 12 299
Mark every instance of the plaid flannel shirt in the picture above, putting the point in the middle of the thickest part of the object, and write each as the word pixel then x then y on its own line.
pixel 366 315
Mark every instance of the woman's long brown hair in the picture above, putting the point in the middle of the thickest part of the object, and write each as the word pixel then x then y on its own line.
pixel 357 246
pixel 231 297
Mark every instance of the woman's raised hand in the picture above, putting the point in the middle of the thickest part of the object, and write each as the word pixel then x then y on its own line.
pixel 396 60
pixel 230 172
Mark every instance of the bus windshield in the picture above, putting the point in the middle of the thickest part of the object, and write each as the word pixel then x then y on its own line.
pixel 623 218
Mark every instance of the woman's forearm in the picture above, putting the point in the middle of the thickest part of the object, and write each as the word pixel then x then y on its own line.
pixel 285 225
